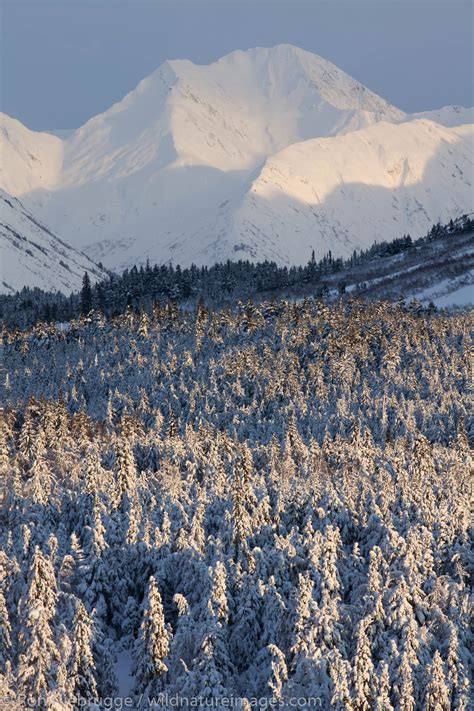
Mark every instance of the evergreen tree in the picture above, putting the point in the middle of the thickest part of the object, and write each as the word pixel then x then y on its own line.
pixel 86 295
pixel 437 695
pixel 38 654
pixel 81 671
pixel 152 645
pixel 5 635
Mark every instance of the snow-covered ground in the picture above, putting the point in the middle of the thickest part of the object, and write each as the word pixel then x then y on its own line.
pixel 123 667
pixel 449 293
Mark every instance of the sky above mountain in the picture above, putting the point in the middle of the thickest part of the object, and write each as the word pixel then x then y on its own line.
pixel 64 61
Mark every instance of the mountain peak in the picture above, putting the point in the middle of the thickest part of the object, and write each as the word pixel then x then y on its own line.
pixel 228 115
pixel 284 67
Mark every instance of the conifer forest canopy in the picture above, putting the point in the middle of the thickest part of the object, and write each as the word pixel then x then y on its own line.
pixel 260 502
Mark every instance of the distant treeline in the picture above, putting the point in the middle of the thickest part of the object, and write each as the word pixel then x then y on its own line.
pixel 139 288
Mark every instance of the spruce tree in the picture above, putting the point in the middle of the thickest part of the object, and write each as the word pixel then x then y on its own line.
pixel 152 645
pixel 81 672
pixel 86 295
pixel 38 654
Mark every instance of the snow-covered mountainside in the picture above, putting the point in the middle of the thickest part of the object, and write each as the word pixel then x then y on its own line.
pixel 347 192
pixel 29 160
pixel 266 153
pixel 32 255
pixel 229 115
pixel 447 116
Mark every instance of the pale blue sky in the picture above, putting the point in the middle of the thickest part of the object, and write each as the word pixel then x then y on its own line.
pixel 64 61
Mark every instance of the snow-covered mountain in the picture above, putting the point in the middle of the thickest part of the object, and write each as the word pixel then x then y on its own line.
pixel 31 255
pixel 228 116
pixel 266 153
pixel 447 116
pixel 346 192
pixel 30 160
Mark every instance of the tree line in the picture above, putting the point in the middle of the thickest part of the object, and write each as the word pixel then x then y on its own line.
pixel 140 287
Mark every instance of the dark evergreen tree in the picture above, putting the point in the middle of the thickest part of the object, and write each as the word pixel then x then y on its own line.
pixel 86 295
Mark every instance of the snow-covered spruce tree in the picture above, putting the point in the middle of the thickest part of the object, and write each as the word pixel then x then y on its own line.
pixel 31 438
pixel 93 576
pixel 302 616
pixel 39 485
pixel 310 667
pixel 104 651
pixel 363 671
pixel 340 671
pixel 152 645
pixel 382 689
pixel 243 499
pixel 5 435
pixel 38 658
pixel 273 615
pixel 205 679
pixel 404 690
pixel 218 604
pixel 245 632
pixel 457 670
pixel 5 636
pixel 126 472
pixel 278 672
pixel 183 643
pixel 81 672
pixel 270 673
pixel 437 696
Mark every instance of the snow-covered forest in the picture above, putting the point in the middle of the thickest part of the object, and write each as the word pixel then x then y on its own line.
pixel 256 503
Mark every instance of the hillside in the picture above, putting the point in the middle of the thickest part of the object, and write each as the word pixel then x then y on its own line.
pixel 439 272
pixel 31 254
pixel 435 270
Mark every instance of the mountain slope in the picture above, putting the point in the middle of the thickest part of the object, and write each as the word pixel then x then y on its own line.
pixel 187 139
pixel 346 192
pixel 229 115
pixel 340 193
pixel 31 255
pixel 30 160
